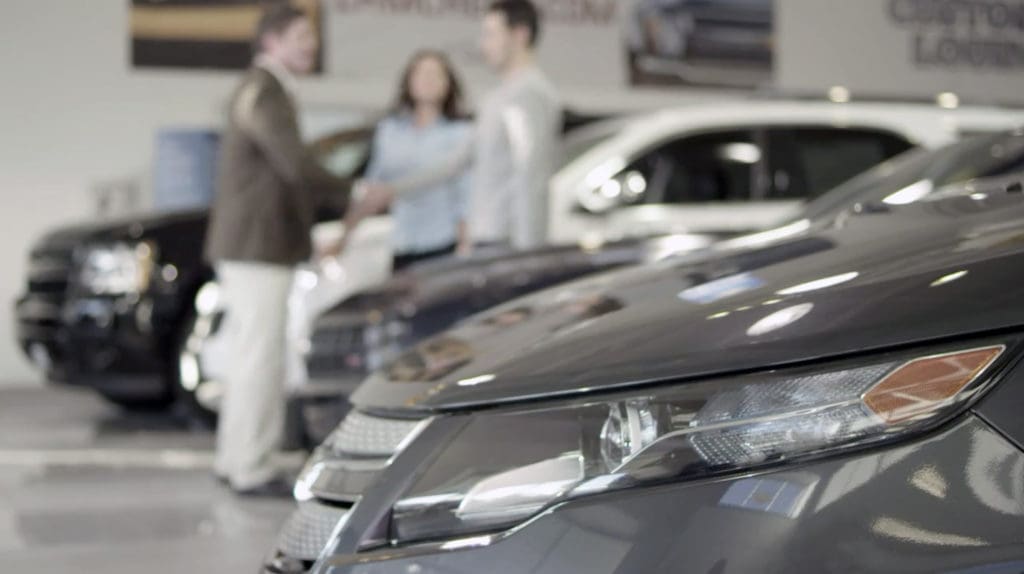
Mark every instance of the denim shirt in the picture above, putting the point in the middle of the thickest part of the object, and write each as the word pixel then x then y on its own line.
pixel 424 219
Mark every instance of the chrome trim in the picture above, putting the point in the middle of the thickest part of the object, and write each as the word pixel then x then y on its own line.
pixel 360 434
pixel 416 431
pixel 324 474
pixel 407 551
pixel 35 310
pixel 309 529
pixel 49 269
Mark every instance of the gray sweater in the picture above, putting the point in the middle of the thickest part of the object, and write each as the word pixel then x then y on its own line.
pixel 514 153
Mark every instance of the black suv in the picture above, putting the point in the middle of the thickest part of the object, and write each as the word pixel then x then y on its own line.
pixel 108 305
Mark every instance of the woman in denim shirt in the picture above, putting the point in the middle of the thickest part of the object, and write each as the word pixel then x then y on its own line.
pixel 426 125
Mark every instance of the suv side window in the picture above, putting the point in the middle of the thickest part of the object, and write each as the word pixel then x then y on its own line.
pixel 713 167
pixel 808 161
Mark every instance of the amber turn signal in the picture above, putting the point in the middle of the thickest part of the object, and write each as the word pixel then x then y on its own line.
pixel 921 385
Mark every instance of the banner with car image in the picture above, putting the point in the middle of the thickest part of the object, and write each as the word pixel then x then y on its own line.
pixel 585 43
pixel 721 43
pixel 199 33
pixel 864 49
pixel 371 40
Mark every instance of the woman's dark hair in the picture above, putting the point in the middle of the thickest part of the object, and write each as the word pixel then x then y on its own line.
pixel 452 107
pixel 276 18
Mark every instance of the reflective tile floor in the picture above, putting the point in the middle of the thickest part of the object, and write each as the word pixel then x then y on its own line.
pixel 86 488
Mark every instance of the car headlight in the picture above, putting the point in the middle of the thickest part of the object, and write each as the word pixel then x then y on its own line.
pixel 118 269
pixel 502 468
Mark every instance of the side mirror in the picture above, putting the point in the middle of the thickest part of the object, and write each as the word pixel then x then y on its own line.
pixel 625 188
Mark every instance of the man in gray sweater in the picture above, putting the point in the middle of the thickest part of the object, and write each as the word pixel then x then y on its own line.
pixel 516 144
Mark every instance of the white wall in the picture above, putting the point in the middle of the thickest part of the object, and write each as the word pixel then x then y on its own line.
pixel 73 113
pixel 886 65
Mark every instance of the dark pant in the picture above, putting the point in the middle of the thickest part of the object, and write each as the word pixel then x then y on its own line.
pixel 403 260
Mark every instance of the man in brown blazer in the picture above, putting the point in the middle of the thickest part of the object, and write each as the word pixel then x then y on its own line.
pixel 269 189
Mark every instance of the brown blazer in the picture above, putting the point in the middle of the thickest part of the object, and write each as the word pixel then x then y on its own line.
pixel 269 185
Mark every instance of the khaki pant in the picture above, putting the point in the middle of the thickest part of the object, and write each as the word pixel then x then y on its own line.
pixel 252 416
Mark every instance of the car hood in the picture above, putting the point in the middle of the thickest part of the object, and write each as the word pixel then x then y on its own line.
pixel 125 228
pixel 452 279
pixel 949 266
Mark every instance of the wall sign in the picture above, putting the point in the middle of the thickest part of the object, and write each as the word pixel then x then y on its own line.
pixel 955 34
pixel 913 49
pixel 585 43
pixel 199 33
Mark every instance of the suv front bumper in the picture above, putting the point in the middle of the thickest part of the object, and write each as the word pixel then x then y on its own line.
pixel 104 343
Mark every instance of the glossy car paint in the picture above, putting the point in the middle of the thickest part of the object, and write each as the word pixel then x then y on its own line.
pixel 878 278
pixel 887 278
pixel 370 329
pixel 431 296
pixel 1002 409
pixel 363 333
pixel 949 502
pixel 867 281
pixel 116 344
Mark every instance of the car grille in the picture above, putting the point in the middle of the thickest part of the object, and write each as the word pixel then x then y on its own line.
pixel 368 436
pixel 49 270
pixel 49 275
pixel 308 531
pixel 335 351
pixel 341 347
pixel 363 445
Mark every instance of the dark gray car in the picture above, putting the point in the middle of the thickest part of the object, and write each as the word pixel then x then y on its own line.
pixel 842 396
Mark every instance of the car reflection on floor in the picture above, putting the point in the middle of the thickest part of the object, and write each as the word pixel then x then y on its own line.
pixel 87 489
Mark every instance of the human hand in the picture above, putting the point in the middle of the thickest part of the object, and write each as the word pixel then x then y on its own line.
pixel 333 249
pixel 464 246
pixel 336 248
pixel 376 198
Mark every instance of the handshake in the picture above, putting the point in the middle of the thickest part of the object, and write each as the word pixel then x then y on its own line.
pixel 367 199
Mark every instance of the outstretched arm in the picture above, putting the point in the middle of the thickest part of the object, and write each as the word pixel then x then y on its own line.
pixel 453 167
pixel 266 116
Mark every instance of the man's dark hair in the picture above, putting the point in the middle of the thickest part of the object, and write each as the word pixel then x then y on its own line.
pixel 519 14
pixel 276 18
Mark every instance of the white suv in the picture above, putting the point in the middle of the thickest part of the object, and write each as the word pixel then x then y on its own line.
pixel 739 166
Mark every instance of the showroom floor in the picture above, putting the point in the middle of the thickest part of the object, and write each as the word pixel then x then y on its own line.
pixel 85 488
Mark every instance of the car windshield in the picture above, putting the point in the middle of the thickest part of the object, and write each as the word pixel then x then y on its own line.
pixel 582 140
pixel 348 155
pixel 917 173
